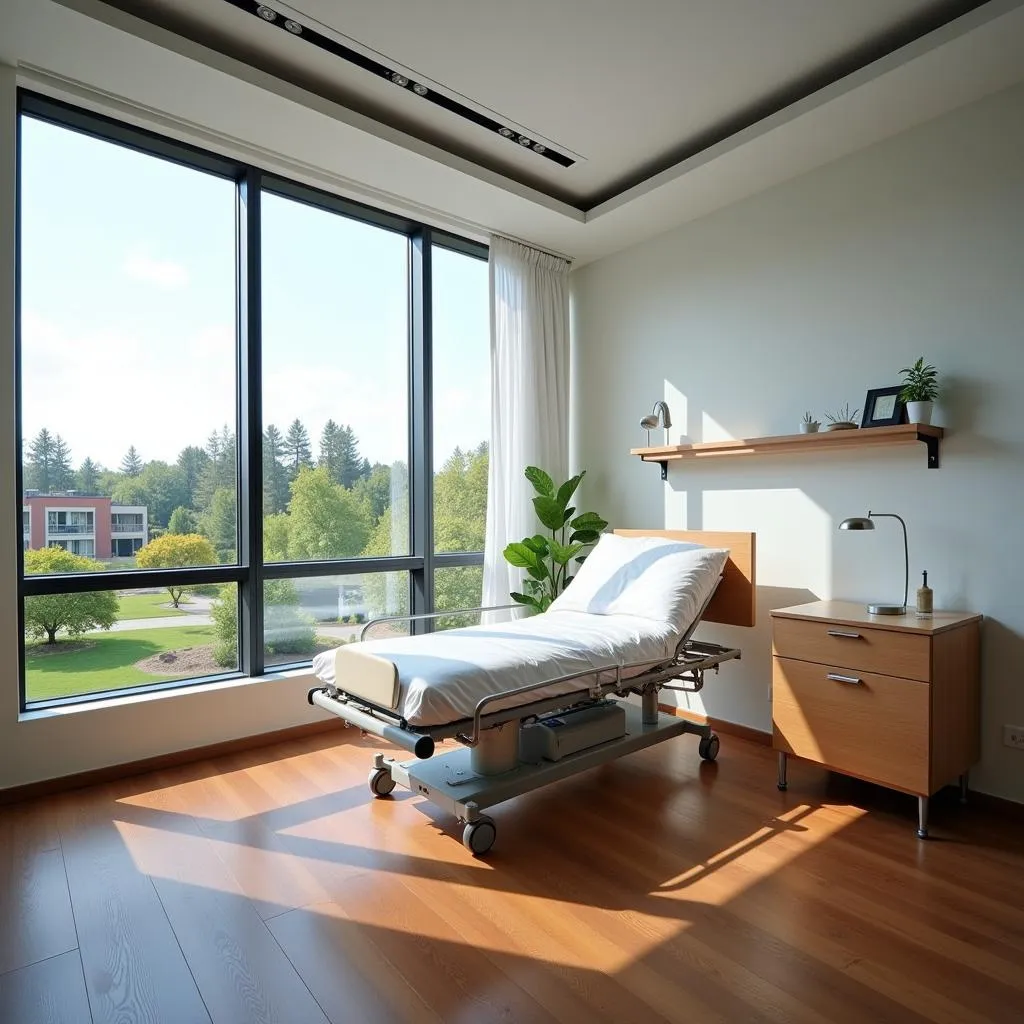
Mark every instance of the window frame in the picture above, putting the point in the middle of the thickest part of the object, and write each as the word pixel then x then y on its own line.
pixel 250 572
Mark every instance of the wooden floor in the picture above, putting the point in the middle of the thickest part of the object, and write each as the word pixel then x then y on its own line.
pixel 270 887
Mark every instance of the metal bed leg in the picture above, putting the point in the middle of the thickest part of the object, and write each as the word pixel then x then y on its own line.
pixel 922 817
pixel 964 780
pixel 783 783
pixel 650 707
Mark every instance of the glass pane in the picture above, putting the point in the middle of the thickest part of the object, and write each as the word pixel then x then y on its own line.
pixel 458 587
pixel 106 640
pixel 462 400
pixel 128 357
pixel 302 617
pixel 335 385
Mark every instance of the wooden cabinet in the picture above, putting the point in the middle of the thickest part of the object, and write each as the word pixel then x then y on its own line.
pixel 889 699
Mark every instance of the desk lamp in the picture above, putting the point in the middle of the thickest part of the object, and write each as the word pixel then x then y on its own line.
pixel 860 523
pixel 660 416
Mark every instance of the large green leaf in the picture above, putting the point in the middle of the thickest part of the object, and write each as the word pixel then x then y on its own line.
pixel 589 521
pixel 538 544
pixel 584 537
pixel 568 489
pixel 549 511
pixel 562 553
pixel 540 571
pixel 542 483
pixel 530 602
pixel 521 556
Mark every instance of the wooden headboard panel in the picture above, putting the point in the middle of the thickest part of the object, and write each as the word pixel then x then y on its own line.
pixel 734 602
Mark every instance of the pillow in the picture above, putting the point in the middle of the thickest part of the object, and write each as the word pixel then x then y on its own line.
pixel 651 577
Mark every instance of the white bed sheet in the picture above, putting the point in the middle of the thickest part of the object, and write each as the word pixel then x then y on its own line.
pixel 444 675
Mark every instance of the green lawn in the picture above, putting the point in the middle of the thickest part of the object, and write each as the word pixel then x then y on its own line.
pixel 108 663
pixel 147 606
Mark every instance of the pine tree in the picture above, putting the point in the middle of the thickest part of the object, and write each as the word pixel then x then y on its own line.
pixel 192 461
pixel 131 464
pixel 62 475
pixel 88 480
pixel 331 455
pixel 275 476
pixel 39 469
pixel 351 463
pixel 296 448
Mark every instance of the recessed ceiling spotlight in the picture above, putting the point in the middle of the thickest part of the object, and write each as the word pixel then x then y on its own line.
pixel 539 147
pixel 266 13
pixel 507 132
pixel 524 141
pixel 294 27
pixel 399 79
pixel 420 90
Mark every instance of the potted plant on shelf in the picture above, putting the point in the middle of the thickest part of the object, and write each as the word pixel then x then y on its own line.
pixel 920 389
pixel 809 425
pixel 842 419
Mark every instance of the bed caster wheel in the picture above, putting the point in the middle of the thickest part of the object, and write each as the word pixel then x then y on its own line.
pixel 380 782
pixel 478 836
pixel 708 748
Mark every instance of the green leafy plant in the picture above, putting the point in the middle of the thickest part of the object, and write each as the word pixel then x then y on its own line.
pixel 842 415
pixel 808 418
pixel 547 560
pixel 920 382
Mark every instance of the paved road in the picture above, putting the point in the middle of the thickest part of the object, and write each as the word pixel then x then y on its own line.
pixel 203 619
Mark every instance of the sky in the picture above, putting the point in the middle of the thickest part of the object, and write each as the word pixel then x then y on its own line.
pixel 128 312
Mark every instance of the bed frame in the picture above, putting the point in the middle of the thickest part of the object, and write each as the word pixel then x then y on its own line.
pixel 486 769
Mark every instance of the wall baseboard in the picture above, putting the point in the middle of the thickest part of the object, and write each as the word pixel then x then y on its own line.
pixel 720 725
pixel 114 772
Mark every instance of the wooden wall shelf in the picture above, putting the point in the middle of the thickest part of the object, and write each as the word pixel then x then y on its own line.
pixel 787 444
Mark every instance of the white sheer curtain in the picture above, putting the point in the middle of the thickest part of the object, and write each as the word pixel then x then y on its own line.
pixel 529 397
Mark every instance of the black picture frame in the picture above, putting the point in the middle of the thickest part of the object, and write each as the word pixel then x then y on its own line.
pixel 879 411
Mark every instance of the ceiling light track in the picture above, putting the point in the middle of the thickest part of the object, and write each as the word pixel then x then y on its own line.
pixel 310 35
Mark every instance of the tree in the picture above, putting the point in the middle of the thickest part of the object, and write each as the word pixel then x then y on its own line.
pixel 326 521
pixel 130 491
pixel 374 491
pixel 166 488
pixel 192 461
pixel 176 551
pixel 220 470
pixel 62 476
pixel 286 628
pixel 183 520
pixel 276 531
pixel 88 481
pixel 460 501
pixel 220 523
pixel 131 464
pixel 330 451
pixel 109 481
pixel 39 469
pixel 73 613
pixel 275 476
pixel 297 451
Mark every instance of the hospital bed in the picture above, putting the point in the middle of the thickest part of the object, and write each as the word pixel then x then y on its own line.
pixel 539 699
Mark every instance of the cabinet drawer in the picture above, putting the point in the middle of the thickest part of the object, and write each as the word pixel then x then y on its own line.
pixel 858 647
pixel 877 728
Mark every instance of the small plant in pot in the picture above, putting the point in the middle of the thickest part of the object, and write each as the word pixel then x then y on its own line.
pixel 842 419
pixel 809 425
pixel 920 389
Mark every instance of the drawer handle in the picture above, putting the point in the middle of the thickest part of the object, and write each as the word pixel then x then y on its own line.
pixel 846 636
pixel 852 680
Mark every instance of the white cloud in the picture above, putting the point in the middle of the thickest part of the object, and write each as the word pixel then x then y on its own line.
pixel 163 273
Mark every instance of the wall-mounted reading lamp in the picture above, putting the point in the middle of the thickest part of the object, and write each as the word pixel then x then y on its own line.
pixel 660 417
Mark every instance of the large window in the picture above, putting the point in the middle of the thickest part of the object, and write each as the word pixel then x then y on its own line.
pixel 230 455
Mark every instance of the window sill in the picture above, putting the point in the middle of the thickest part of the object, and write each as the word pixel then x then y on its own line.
pixel 186 690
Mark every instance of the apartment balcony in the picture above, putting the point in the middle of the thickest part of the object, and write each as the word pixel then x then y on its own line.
pixel 64 531
pixel 129 529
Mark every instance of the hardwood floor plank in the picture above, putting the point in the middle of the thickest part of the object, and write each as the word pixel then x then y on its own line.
pixel 35 907
pixel 134 968
pixel 49 992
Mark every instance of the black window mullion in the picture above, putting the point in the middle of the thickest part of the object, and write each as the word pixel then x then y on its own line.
pixel 421 498
pixel 250 427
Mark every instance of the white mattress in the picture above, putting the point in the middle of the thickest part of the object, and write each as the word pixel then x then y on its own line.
pixel 443 675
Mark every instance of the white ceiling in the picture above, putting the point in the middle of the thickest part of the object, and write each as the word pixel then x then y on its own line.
pixel 93 55
pixel 632 88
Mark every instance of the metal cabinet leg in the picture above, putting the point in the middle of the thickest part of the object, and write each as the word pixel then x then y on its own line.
pixel 964 780
pixel 922 817
pixel 783 783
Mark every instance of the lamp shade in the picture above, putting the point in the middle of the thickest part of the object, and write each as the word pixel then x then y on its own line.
pixel 857 523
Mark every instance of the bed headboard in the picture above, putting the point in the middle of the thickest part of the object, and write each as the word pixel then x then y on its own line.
pixel 734 601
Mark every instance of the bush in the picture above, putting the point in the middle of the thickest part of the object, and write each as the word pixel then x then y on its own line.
pixel 286 628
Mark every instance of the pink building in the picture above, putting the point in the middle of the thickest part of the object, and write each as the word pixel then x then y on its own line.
pixel 83 524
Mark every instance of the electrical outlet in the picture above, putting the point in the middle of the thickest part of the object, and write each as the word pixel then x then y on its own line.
pixel 1013 736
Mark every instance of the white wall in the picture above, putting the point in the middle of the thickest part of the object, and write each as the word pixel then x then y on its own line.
pixel 804 297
